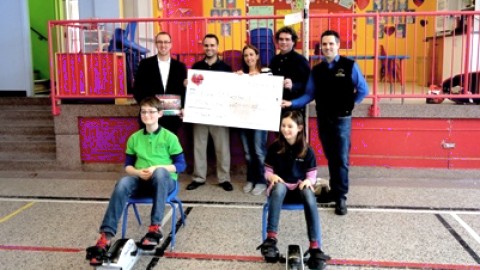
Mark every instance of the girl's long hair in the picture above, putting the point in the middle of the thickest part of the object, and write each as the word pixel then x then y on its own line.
pixel 258 65
pixel 300 146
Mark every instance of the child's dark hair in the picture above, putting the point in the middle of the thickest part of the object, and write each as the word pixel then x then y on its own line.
pixel 300 146
pixel 152 102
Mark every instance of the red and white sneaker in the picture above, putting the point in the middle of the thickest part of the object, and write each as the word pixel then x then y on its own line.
pixel 152 238
pixel 97 253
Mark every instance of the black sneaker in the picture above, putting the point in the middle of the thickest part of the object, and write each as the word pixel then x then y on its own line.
pixel 341 207
pixel 194 185
pixel 227 186
pixel 317 259
pixel 269 250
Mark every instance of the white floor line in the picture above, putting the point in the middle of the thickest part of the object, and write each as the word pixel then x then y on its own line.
pixel 222 205
pixel 52 201
pixel 466 227
pixel 381 210
pixel 412 211
pixel 166 217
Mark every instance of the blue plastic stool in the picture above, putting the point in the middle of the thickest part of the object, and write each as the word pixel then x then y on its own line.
pixel 263 39
pixel 172 199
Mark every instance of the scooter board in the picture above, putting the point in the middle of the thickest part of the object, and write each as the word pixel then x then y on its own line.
pixel 294 258
pixel 123 254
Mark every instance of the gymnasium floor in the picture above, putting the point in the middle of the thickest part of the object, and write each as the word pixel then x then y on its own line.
pixel 398 219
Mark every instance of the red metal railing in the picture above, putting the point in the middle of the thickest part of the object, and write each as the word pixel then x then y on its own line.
pixel 404 55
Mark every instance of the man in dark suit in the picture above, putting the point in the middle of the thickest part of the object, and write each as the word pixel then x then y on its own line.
pixel 162 76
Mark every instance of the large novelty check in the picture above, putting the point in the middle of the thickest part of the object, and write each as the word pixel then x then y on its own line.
pixel 232 100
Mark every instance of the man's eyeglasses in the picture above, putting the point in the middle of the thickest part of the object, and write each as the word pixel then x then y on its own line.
pixel 162 42
pixel 148 112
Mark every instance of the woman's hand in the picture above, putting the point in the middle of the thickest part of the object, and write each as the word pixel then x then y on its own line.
pixel 306 184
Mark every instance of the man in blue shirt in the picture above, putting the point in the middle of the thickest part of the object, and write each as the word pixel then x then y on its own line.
pixel 335 84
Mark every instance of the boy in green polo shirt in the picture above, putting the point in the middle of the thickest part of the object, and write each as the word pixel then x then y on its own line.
pixel 154 157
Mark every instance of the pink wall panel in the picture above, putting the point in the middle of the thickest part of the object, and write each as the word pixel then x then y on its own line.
pixel 466 136
pixel 393 142
pixel 186 35
pixel 375 142
pixel 315 141
pixel 104 139
pixel 92 74
pixel 399 137
pixel 398 161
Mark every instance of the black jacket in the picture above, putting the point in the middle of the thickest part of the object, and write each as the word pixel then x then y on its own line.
pixel 294 66
pixel 148 81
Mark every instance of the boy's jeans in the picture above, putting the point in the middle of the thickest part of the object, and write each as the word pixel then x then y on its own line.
pixel 158 187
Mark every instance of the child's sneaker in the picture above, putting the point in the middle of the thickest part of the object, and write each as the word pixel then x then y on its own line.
pixel 269 250
pixel 248 187
pixel 259 189
pixel 97 253
pixel 318 259
pixel 152 238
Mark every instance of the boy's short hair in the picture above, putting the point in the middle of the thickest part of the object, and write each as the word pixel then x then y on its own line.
pixel 152 102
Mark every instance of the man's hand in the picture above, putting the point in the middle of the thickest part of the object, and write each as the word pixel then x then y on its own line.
pixel 287 84
pixel 286 104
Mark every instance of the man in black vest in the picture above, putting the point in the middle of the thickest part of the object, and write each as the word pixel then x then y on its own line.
pixel 336 84
pixel 162 76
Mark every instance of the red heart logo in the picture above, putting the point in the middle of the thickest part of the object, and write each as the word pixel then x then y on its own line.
pixel 197 79
pixel 362 4
pixel 418 2
pixel 389 30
